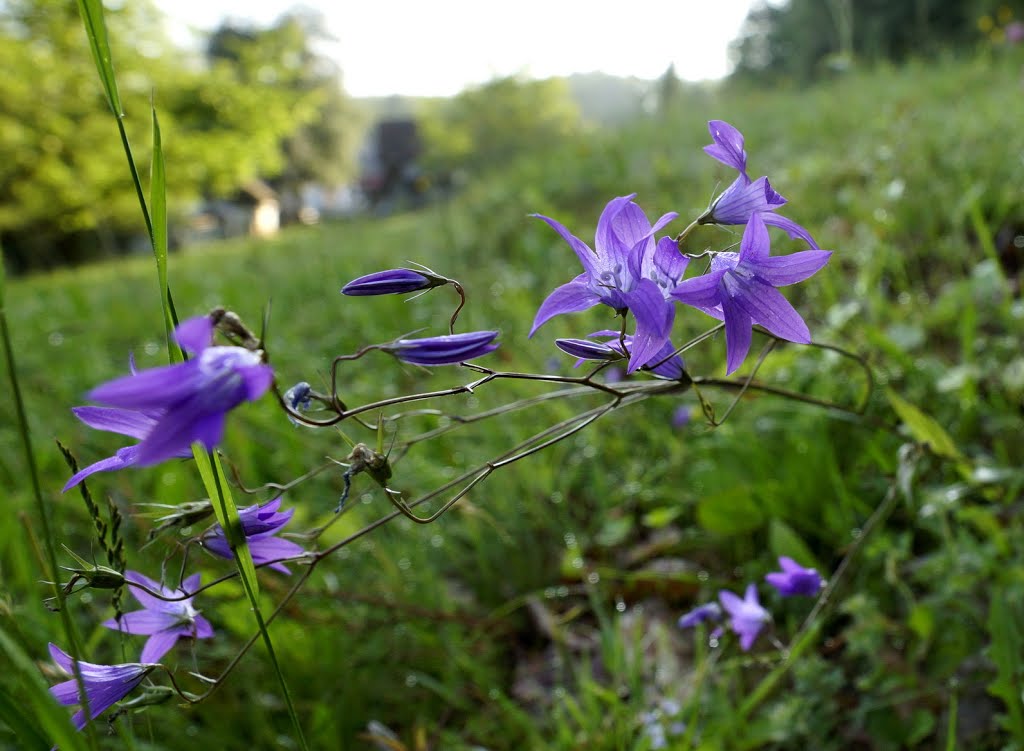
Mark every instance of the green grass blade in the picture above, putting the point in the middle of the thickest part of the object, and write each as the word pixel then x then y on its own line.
pixel 96 29
pixel 158 216
pixel 33 704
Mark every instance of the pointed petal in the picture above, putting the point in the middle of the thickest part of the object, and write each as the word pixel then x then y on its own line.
pixel 628 227
pixel 62 658
pixel 793 229
pixel 728 145
pixel 195 334
pixel 700 291
pixel 669 262
pixel 274 549
pixel 654 317
pixel 583 252
pixel 127 422
pixel 569 298
pixel 155 388
pixel 125 457
pixel 191 583
pixel 176 432
pixel 142 623
pixel 737 334
pixel 766 306
pixel 730 601
pixel 738 202
pixel 779 271
pixel 201 628
pixel 148 601
pixel 158 645
pixel 66 693
pixel 606 237
pixel 755 244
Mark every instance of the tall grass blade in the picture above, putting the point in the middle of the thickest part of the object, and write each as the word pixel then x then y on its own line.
pixel 96 30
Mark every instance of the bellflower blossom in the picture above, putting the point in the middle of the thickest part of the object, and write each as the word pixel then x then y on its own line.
pixel 746 616
pixel 260 524
pixel 188 401
pixel 450 349
pixel 741 290
pixel 794 579
pixel 664 362
pixel 105 685
pixel 393 282
pixel 164 621
pixel 127 422
pixel 704 613
pixel 744 197
pixel 626 270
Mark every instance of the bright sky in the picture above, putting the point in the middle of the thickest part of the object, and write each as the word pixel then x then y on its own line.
pixel 438 47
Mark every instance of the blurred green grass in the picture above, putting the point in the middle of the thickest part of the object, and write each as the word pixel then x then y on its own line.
pixel 906 172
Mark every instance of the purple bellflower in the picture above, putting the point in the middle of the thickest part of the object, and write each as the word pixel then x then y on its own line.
pixel 450 349
pixel 163 621
pixel 746 616
pixel 744 197
pixel 702 614
pixel 105 685
pixel 741 290
pixel 393 282
pixel 664 362
pixel 626 270
pixel 794 579
pixel 188 401
pixel 127 422
pixel 260 524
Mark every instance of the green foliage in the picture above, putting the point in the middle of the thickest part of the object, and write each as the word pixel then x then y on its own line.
pixel 486 127
pixel 487 628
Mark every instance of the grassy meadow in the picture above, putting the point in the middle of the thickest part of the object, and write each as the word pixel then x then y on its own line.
pixel 540 612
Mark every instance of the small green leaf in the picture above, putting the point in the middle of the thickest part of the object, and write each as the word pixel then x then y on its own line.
pixel 784 541
pixel 923 428
pixel 732 512
pixel 661 517
pixel 96 29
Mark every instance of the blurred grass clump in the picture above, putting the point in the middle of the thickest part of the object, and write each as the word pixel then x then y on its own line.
pixel 540 612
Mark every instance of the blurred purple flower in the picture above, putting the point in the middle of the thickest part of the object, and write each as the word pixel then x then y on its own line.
pixel 393 282
pixel 744 197
pixel 794 579
pixel 450 349
pixel 704 613
pixel 260 524
pixel 626 270
pixel 741 290
pixel 124 421
pixel 189 401
pixel 746 616
pixel 105 685
pixel 681 416
pixel 164 621
pixel 1014 32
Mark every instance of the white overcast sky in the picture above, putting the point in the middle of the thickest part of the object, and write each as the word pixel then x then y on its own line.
pixel 438 47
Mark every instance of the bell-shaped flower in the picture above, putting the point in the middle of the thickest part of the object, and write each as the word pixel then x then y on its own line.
pixel 260 524
pixel 450 349
pixel 664 362
pixel 617 272
pixel 745 197
pixel 104 685
pixel 164 621
pixel 746 616
pixel 180 404
pixel 741 290
pixel 794 579
pixel 393 282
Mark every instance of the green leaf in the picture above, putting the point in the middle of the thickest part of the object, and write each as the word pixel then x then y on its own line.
pixel 923 428
pixel 732 512
pixel 1006 654
pixel 784 541
pixel 661 517
pixel 96 29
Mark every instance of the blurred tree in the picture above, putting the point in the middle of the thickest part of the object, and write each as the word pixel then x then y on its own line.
pixel 486 126
pixel 801 39
pixel 263 103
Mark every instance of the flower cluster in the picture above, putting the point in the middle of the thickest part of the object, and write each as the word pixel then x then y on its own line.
pixel 747 617
pixel 631 272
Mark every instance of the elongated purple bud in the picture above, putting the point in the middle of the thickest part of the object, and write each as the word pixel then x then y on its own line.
pixel 585 349
pixel 392 282
pixel 443 350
